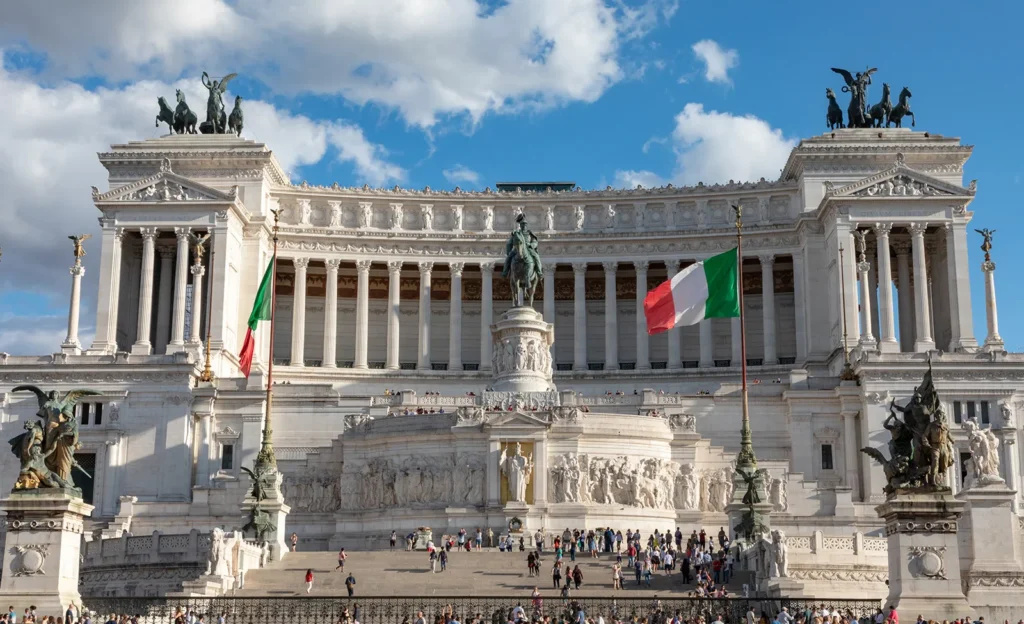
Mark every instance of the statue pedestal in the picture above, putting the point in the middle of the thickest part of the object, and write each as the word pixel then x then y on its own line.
pixel 278 511
pixel 43 549
pixel 994 575
pixel 423 536
pixel 924 555
pixel 521 352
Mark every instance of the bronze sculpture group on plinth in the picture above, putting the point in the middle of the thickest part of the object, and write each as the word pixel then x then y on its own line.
pixel 182 120
pixel 859 114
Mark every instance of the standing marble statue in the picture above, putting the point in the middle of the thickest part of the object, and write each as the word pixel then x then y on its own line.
pixel 518 469
pixel 984 446
pixel 779 555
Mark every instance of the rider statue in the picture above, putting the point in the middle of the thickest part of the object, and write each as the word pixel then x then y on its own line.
pixel 522 263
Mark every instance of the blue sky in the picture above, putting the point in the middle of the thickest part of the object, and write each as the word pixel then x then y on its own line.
pixel 462 93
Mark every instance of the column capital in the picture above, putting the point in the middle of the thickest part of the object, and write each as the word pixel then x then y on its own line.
pixel 863 266
pixel 456 268
pixel 395 204
pixel 118 234
pixel 641 266
pixel 767 260
pixel 549 267
pixel 487 266
pixel 395 266
pixel 917 229
pixel 198 270
pixel 78 270
pixel 610 266
pixel 673 264
pixel 580 268
pixel 148 233
pixel 300 263
pixel 425 267
pixel 882 229
pixel 365 204
pixel 988 266
pixel 332 264
pixel 182 233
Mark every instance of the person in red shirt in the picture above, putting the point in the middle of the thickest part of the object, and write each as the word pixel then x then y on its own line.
pixel 309 581
pixel 893 616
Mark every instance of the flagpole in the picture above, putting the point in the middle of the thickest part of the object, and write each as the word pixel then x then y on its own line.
pixel 266 458
pixel 746 460
pixel 207 374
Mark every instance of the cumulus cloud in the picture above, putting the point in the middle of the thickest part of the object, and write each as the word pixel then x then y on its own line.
pixel 629 179
pixel 369 159
pixel 428 60
pixel 461 174
pixel 717 62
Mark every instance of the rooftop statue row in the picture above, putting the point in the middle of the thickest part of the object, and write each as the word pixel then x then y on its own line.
pixel 182 120
pixel 858 114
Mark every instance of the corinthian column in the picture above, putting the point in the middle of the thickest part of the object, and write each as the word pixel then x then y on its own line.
pixel 71 344
pixel 198 271
pixel 180 288
pixel 886 316
pixel 330 359
pixel 675 352
pixel 579 300
pixel 867 339
pixel 768 309
pixel 906 295
pixel 455 317
pixel 142 344
pixel 394 312
pixel 423 358
pixel 486 301
pixel 362 312
pixel 549 291
pixel 298 355
pixel 924 341
pixel 993 342
pixel 611 322
pixel 643 356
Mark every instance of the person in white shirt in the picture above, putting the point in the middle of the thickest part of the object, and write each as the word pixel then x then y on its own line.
pixel 750 616
pixel 784 616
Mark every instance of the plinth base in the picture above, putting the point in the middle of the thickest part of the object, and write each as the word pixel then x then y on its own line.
pixel 43 549
pixel 521 348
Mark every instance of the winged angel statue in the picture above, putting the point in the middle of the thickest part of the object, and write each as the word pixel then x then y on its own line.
pixel 857 86
pixel 47 449
pixel 216 119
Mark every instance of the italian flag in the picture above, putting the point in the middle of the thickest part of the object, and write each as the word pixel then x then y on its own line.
pixel 707 289
pixel 261 310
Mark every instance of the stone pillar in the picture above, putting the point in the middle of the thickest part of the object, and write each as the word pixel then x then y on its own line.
pixel 330 358
pixel 993 342
pixel 771 356
pixel 675 351
pixel 198 271
pixel 43 550
pixel 549 291
pixel 886 315
pixel 643 356
pixel 180 288
pixel 142 344
pixel 394 313
pixel 455 318
pixel 298 356
pixel 611 322
pixel 163 301
pixel 579 336
pixel 71 344
pixel 867 339
pixel 923 334
pixel 800 304
pixel 362 313
pixel 737 347
pixel 851 456
pixel 486 303
pixel 109 292
pixel 423 357
pixel 959 279
pixel 203 427
pixel 873 300
pixel 993 572
pixel 906 296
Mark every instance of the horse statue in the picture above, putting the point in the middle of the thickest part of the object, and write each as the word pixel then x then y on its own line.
pixel 834 116
pixel 165 115
pixel 522 264
pixel 235 120
pixel 901 109
pixel 880 112
pixel 184 119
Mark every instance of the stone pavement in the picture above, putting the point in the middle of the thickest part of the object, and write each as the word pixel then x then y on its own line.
pixel 479 573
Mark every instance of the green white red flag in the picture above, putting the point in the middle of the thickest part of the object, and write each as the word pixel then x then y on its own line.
pixel 707 289
pixel 261 311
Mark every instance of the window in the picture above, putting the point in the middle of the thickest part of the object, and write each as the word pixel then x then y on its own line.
pixel 98 414
pixel 958 412
pixel 90 414
pixel 971 410
pixel 984 412
pixel 83 413
pixel 826 457
pixel 227 456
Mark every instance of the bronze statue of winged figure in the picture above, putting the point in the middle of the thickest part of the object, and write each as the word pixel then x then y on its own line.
pixel 216 118
pixel 857 87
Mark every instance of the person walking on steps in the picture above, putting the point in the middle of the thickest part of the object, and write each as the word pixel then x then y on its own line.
pixel 350 584
pixel 309 581
pixel 341 560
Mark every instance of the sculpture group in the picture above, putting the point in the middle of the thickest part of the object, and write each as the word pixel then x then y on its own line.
pixel 182 120
pixel 859 114
pixel 417 481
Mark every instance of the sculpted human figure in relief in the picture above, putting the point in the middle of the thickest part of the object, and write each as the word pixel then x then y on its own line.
pixel 580 214
pixel 518 469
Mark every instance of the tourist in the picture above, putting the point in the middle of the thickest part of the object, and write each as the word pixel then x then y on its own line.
pixel 443 558
pixel 750 616
pixel 538 602
pixel 12 617
pixel 894 617
pixel 479 539
pixel 309 580
pixel 433 560
pixel 295 542
pixel 722 536
pixel 394 538
pixel 556 574
pixel 342 557
pixel 784 617
pixel 419 618
pixel 462 538
pixel 577 576
pixel 222 618
pixel 616 576
pixel 350 585
pixel 531 563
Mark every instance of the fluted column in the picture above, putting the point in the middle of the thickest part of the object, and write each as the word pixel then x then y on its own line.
pixel 195 335
pixel 611 321
pixel 142 344
pixel 579 300
pixel 71 344
pixel 906 296
pixel 486 302
pixel 959 287
pixel 993 342
pixel 164 292
pixel 771 356
pixel 923 335
pixel 109 297
pixel 643 354
pixel 423 357
pixel 330 359
pixel 180 290
pixel 886 323
pixel 362 312
pixel 675 352
pixel 455 318
pixel 549 291
pixel 394 312
pixel 867 339
pixel 298 355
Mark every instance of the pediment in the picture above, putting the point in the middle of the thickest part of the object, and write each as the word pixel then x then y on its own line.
pixel 901 181
pixel 536 420
pixel 167 186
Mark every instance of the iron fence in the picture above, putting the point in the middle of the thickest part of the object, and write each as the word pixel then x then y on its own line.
pixel 487 610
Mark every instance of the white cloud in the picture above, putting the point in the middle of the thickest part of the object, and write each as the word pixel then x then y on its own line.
pixel 37 335
pixel 367 158
pixel 629 179
pixel 428 60
pixel 717 62
pixel 461 174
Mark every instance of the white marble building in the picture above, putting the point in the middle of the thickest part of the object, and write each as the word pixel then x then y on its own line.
pixel 392 289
